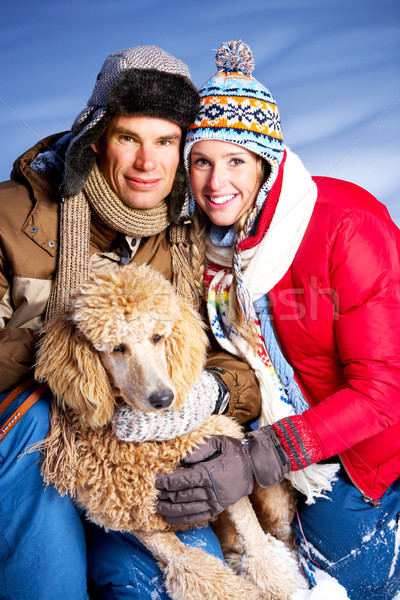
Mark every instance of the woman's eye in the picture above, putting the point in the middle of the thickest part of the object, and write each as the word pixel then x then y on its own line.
pixel 156 338
pixel 120 348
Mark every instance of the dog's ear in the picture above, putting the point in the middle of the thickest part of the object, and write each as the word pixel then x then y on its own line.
pixel 186 349
pixel 73 370
pixel 59 450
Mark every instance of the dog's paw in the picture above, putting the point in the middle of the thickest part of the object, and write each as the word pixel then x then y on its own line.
pixel 274 569
pixel 196 575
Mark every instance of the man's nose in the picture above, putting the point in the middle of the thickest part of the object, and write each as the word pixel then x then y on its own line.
pixel 145 158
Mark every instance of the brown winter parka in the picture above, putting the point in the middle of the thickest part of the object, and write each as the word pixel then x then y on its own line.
pixel 29 212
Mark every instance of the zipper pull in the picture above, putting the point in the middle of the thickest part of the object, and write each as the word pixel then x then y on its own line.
pixel 375 503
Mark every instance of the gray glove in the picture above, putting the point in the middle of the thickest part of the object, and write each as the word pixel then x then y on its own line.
pixel 220 472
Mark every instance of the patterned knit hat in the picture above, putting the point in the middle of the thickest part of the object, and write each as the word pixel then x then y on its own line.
pixel 143 80
pixel 236 108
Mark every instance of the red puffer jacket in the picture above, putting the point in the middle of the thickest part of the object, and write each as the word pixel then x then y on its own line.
pixel 336 313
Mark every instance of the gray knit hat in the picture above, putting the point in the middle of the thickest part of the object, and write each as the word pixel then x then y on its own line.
pixel 143 80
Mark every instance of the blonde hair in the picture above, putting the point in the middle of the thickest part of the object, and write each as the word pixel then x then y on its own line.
pixel 198 247
pixel 198 230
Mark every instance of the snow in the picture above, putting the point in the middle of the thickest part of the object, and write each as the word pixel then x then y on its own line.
pixel 327 588
pixel 158 590
pixel 396 550
pixel 369 536
pixel 309 548
pixel 332 66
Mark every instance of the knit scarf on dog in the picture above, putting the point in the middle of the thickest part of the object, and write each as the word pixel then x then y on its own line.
pixel 73 263
pixel 133 425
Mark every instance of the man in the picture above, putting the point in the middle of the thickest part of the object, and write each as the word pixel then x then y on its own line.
pixel 108 192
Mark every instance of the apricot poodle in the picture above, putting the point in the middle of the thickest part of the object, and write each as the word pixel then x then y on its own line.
pixel 128 341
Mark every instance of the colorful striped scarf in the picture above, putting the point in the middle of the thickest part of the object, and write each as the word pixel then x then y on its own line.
pixel 279 398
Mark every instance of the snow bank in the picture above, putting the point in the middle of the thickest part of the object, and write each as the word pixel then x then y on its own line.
pixel 327 588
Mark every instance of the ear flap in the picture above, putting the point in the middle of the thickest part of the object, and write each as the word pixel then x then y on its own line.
pixel 73 370
pixel 185 350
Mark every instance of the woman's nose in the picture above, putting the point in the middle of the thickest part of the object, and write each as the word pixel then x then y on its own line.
pixel 216 179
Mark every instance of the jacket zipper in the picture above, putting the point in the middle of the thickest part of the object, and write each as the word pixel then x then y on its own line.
pixel 367 499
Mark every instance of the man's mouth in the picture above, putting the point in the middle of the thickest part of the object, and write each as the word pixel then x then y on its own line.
pixel 143 184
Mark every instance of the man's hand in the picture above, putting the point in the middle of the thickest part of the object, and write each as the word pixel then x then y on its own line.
pixel 220 472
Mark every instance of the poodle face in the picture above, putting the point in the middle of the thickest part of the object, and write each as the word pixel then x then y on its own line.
pixel 137 365
pixel 127 337
pixel 128 320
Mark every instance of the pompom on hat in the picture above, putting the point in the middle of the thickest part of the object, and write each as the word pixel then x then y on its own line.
pixel 236 108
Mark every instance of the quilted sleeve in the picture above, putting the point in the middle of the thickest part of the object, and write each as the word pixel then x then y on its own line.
pixel 364 272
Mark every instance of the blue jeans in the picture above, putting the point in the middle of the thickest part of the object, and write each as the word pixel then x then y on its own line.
pixel 353 541
pixel 42 540
pixel 119 567
pixel 42 544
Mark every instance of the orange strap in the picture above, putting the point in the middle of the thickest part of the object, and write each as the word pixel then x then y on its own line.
pixel 14 393
pixel 23 408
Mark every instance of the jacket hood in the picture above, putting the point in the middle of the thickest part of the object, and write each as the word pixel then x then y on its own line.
pixel 35 168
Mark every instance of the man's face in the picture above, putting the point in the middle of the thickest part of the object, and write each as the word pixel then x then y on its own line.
pixel 139 156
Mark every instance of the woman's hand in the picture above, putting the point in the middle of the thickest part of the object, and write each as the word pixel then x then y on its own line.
pixel 217 474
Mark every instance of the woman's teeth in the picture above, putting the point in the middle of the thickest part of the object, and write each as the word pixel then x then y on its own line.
pixel 221 199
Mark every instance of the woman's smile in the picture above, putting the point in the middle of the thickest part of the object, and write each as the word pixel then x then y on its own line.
pixel 225 179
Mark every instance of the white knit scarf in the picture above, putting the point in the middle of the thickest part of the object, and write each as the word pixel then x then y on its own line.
pixel 133 425
pixel 266 264
pixel 263 267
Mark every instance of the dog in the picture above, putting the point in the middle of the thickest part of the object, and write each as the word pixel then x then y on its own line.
pixel 128 341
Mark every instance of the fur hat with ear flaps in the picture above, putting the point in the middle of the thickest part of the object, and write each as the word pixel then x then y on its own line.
pixel 142 81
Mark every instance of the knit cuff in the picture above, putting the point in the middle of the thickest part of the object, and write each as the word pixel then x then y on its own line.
pixel 299 441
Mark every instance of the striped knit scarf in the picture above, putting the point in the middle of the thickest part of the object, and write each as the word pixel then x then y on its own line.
pixel 276 404
pixel 279 398
pixel 73 262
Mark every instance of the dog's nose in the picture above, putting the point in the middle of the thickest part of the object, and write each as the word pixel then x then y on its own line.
pixel 161 399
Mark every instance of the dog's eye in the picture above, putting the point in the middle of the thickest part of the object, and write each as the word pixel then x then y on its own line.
pixel 156 338
pixel 119 348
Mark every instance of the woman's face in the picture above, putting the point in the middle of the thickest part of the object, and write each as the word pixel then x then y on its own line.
pixel 225 179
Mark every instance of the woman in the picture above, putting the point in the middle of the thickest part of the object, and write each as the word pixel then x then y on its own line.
pixel 314 264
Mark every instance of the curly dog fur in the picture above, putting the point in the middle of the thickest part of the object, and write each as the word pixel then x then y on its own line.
pixel 128 338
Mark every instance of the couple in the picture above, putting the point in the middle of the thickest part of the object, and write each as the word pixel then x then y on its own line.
pixel 299 281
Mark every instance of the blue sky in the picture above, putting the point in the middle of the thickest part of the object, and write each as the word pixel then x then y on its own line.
pixel 333 67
